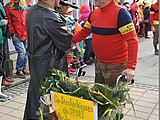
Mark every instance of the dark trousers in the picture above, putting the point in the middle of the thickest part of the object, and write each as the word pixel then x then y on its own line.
pixel 65 65
pixel 141 27
pixel 4 56
pixel 88 43
pixel 89 49
pixel 147 27
pixel 1 60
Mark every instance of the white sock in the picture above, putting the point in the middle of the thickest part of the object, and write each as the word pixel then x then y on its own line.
pixel 0 84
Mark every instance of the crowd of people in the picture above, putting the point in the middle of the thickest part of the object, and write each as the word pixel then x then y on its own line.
pixel 140 13
pixel 47 35
pixel 12 22
pixel 144 17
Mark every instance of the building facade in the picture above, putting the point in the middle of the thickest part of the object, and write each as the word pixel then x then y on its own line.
pixel 79 3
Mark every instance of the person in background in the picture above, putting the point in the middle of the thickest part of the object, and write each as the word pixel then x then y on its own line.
pixel 62 9
pixel 70 23
pixel 135 16
pixel 85 11
pixel 126 6
pixel 48 42
pixel 140 9
pixel 6 34
pixel 79 51
pixel 119 3
pixel 154 20
pixel 29 3
pixel 114 41
pixel 3 24
pixel 64 5
pixel 16 11
pixel 146 13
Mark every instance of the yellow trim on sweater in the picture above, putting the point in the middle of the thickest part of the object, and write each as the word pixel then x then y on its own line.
pixel 155 22
pixel 88 25
pixel 151 12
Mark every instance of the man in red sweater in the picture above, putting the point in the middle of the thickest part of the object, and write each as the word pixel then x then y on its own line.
pixel 154 20
pixel 114 41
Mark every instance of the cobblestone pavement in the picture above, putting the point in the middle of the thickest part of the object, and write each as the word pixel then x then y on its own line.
pixel 17 90
pixel 22 88
pixel 135 85
pixel 145 97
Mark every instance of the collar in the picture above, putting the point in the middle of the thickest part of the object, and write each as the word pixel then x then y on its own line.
pixel 45 5
pixel 108 6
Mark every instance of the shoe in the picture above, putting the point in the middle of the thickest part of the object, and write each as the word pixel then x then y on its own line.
pixel 8 80
pixel 69 70
pixel 5 83
pixel 140 36
pixel 147 37
pixel 74 66
pixel 20 74
pixel 25 71
pixel 4 97
pixel 83 65
pixel 72 70
pixel 90 62
pixel 78 65
pixel 156 52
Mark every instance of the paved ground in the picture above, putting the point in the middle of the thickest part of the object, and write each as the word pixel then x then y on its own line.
pixel 145 90
pixel 146 101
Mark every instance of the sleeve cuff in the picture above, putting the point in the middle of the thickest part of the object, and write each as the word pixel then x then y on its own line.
pixel 133 67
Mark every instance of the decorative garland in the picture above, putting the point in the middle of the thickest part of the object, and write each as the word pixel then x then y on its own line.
pixel 111 101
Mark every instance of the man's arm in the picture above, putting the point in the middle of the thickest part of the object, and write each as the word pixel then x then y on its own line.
pixel 126 27
pixel 132 42
pixel 59 34
pixel 152 11
pixel 84 32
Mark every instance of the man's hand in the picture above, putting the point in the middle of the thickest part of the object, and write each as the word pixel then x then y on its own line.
pixel 130 74
pixel 5 22
pixel 152 28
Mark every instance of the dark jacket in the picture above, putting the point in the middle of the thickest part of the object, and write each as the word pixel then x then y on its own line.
pixel 4 29
pixel 146 14
pixel 48 41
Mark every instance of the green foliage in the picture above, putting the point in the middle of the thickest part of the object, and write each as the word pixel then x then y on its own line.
pixel 107 98
pixel 45 111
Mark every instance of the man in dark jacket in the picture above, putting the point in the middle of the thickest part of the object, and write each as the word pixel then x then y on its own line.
pixel 48 42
